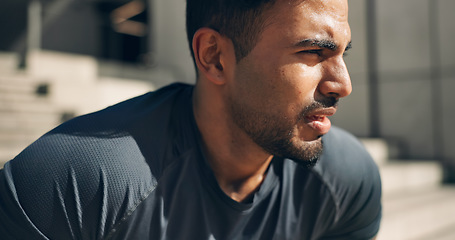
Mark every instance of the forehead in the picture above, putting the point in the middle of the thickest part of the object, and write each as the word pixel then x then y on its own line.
pixel 309 18
pixel 335 8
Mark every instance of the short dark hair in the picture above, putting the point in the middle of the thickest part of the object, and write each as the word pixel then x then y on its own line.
pixel 242 21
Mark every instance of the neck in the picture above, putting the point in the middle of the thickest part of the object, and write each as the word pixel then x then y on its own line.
pixel 238 164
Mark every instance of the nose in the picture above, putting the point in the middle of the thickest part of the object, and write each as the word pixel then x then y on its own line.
pixel 336 81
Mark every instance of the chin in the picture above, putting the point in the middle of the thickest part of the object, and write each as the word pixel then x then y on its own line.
pixel 305 153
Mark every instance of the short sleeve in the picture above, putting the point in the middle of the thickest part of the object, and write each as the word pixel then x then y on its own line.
pixel 14 223
pixel 72 186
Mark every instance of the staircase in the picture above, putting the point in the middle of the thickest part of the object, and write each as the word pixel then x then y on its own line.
pixel 26 113
pixel 415 204
pixel 55 87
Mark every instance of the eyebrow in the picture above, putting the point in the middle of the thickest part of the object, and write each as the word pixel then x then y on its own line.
pixel 329 44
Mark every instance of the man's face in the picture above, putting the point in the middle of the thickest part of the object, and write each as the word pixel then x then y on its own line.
pixel 283 91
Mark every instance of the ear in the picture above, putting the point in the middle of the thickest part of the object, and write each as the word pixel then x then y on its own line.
pixel 211 53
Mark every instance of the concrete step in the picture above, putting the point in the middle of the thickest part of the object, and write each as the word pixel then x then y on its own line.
pixel 62 67
pixel 24 93
pixel 10 85
pixel 383 149
pixel 443 234
pixel 22 84
pixel 18 138
pixel 426 213
pixel 8 62
pixel 19 133
pixel 28 120
pixel 377 148
pixel 36 105
pixel 19 78
pixel 399 176
pixel 27 128
pixel 21 88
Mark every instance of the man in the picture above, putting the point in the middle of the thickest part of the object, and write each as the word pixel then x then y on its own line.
pixel 241 155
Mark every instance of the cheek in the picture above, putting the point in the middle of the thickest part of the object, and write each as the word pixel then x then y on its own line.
pixel 252 87
pixel 299 82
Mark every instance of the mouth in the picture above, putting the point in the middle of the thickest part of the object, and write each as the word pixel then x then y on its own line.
pixel 318 120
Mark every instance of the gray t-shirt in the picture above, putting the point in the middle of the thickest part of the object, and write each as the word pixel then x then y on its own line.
pixel 135 171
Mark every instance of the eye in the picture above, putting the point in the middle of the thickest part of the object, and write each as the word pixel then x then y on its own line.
pixel 317 52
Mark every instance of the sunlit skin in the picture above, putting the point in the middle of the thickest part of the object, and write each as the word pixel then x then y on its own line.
pixel 284 88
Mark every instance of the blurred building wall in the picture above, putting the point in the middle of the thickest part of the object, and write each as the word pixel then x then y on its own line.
pixel 353 111
pixel 406 47
pixel 169 45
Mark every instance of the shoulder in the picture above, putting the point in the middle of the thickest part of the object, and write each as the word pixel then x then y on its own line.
pixel 110 139
pixel 353 181
pixel 89 172
pixel 69 184
pixel 345 160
